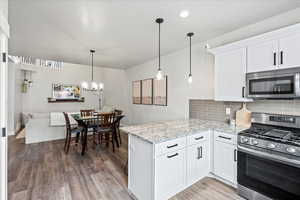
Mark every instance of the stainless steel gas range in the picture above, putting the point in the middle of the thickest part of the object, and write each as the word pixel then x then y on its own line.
pixel 269 158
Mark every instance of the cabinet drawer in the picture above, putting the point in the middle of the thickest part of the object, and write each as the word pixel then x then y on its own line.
pixel 196 138
pixel 225 137
pixel 170 146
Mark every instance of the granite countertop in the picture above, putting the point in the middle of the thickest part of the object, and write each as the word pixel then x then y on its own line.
pixel 158 132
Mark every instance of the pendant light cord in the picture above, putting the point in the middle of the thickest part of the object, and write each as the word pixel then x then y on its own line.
pixel 159 46
pixel 92 66
pixel 190 56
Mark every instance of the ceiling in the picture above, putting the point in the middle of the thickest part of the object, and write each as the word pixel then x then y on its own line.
pixel 123 32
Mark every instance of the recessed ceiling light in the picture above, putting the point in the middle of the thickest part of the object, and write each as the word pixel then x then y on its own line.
pixel 184 13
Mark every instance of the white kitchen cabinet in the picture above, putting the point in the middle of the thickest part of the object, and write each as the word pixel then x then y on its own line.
pixel 140 168
pixel 230 75
pixel 289 48
pixel 225 157
pixel 160 171
pixel 170 176
pixel 262 56
pixel 198 163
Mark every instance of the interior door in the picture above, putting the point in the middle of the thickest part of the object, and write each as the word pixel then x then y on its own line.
pixel 262 57
pixel 289 48
pixel 3 117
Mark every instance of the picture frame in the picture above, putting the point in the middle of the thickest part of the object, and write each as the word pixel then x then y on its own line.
pixel 66 91
pixel 147 91
pixel 137 92
pixel 160 91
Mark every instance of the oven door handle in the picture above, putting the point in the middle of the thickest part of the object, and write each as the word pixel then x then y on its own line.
pixel 273 157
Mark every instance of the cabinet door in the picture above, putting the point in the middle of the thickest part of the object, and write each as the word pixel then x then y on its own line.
pixel 170 174
pixel 197 162
pixel 225 165
pixel 263 56
pixel 289 48
pixel 230 70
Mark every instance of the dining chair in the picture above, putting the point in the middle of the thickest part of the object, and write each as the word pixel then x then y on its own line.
pixel 107 129
pixel 118 119
pixel 118 113
pixel 93 124
pixel 87 113
pixel 69 132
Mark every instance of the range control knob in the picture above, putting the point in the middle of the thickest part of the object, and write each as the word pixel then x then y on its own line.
pixel 244 139
pixel 254 142
pixel 271 146
pixel 291 150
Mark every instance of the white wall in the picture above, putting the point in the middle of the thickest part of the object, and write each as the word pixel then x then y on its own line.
pixel 4 8
pixel 35 100
pixel 176 65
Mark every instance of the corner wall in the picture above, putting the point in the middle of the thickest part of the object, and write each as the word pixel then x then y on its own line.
pixel 176 67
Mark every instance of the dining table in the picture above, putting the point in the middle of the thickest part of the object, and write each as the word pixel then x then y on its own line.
pixel 84 122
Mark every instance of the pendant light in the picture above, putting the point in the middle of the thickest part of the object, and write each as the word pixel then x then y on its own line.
pixel 190 78
pixel 92 86
pixel 159 72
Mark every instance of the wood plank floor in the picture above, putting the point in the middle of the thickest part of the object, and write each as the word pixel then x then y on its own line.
pixel 44 172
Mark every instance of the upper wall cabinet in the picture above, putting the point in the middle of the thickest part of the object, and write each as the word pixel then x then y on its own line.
pixel 274 50
pixel 276 54
pixel 262 56
pixel 289 48
pixel 230 70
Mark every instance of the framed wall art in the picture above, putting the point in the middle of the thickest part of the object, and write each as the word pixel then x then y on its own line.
pixel 160 91
pixel 137 92
pixel 147 91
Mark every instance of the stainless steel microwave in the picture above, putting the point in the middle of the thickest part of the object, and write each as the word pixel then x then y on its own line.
pixel 275 84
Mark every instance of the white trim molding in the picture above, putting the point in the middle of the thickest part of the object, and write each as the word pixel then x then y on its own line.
pixel 268 36
pixel 4 26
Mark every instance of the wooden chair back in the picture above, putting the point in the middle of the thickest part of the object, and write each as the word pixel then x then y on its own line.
pixel 87 113
pixel 67 119
pixel 107 120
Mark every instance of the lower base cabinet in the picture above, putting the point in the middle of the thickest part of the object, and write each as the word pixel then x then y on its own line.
pixel 197 162
pixel 170 174
pixel 160 171
pixel 225 157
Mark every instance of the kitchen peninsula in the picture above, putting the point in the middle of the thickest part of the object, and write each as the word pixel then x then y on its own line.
pixel 167 157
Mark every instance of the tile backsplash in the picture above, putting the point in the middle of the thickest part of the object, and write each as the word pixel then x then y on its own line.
pixel 215 110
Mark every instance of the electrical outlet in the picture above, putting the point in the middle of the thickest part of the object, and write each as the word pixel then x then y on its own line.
pixel 227 111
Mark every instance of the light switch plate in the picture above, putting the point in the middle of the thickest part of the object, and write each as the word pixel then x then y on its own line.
pixel 227 111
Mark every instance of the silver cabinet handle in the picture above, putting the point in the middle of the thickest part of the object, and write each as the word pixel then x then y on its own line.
pixel 235 156
pixel 171 156
pixel 199 138
pixel 281 57
pixel 226 138
pixel 199 152
pixel 175 145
